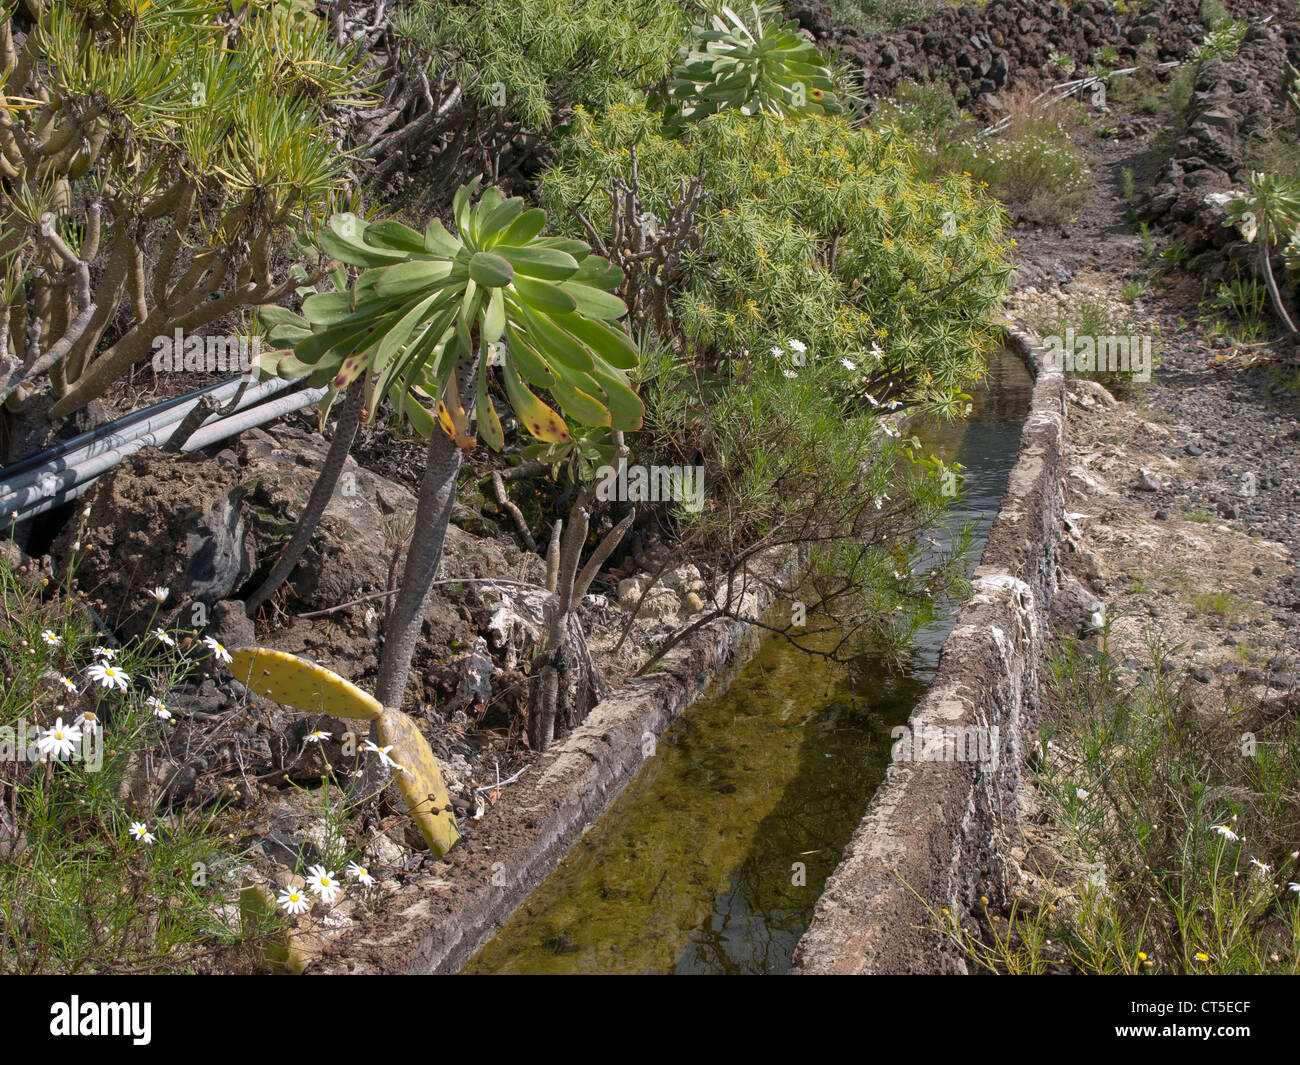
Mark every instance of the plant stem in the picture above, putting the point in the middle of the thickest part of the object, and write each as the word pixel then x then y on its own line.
pixel 1270 283
pixel 432 516
pixel 321 493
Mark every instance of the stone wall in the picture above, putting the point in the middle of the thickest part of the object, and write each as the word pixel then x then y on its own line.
pixel 938 834
pixel 985 48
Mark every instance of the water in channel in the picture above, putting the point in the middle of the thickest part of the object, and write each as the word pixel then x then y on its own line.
pixel 693 868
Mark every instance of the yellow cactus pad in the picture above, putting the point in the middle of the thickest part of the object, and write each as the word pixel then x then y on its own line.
pixel 420 781
pixel 294 682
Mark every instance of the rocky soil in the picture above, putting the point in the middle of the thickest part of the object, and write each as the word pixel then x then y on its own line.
pixel 208 526
pixel 986 48
pixel 1188 489
pixel 1183 493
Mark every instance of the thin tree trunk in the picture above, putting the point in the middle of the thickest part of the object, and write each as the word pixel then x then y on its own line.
pixel 345 432
pixel 1270 282
pixel 432 516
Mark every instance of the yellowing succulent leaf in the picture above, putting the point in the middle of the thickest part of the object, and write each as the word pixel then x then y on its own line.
pixel 452 417
pixel 535 415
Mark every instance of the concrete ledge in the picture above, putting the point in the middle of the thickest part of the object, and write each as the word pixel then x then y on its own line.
pixel 440 916
pixel 937 833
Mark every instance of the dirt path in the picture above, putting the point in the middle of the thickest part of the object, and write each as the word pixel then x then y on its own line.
pixel 1183 497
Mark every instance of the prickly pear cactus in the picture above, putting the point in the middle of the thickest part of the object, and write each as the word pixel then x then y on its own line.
pixel 289 680
pixel 420 781
pixel 303 685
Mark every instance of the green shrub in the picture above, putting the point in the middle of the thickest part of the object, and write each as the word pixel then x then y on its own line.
pixel 831 292
pixel 814 231
pixel 533 57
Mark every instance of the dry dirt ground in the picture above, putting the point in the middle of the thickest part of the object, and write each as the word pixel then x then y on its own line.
pixel 1181 493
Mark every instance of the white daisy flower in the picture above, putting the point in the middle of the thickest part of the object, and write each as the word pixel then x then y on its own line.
pixel 163 638
pixel 848 364
pixel 789 373
pixel 222 655
pixel 360 874
pixel 105 652
pixel 325 884
pixel 160 593
pixel 383 755
pixel 777 353
pixel 88 722
pixel 1225 832
pixel 109 675
pixel 58 741
pixel 51 638
pixel 160 710
pixel 67 684
pixel 141 832
pixel 1263 867
pixel 293 900
pixel 318 735
pixel 1081 794
pixel 798 345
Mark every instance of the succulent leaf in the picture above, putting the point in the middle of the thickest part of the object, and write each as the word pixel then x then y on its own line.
pixel 305 686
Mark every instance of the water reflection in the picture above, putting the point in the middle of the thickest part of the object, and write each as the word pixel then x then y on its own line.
pixel 713 857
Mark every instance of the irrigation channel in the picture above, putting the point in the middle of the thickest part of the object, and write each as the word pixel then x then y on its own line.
pixel 695 867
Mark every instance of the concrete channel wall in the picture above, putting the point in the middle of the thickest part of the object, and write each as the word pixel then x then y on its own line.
pixel 938 833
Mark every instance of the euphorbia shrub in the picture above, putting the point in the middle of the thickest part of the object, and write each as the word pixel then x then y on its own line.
pixel 813 230
pixel 830 287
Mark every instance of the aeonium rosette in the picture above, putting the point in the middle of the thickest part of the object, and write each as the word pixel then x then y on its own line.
pixel 422 303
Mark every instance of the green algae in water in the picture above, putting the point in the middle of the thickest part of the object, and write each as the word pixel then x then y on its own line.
pixel 695 868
